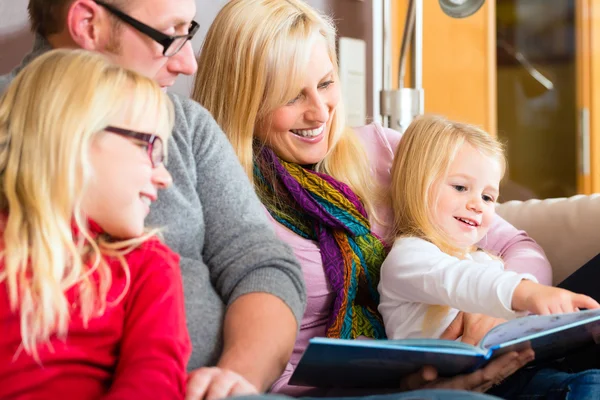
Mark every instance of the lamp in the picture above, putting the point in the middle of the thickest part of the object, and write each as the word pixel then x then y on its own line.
pixel 460 8
pixel 400 106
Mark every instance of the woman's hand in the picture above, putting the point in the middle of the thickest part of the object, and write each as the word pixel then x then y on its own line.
pixel 472 327
pixel 479 381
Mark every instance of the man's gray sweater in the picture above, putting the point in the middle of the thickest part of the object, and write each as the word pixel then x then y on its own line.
pixel 214 220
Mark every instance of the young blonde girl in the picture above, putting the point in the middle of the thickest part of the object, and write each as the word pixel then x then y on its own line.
pixel 91 302
pixel 445 183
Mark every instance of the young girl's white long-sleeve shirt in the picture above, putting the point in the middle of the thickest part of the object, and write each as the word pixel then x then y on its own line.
pixel 417 274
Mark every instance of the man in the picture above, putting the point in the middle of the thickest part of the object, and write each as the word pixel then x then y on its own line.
pixel 244 289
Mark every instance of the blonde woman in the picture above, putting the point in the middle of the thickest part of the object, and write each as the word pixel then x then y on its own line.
pixel 445 183
pixel 268 74
pixel 91 303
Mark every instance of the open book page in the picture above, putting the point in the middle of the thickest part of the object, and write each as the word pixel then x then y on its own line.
pixel 527 328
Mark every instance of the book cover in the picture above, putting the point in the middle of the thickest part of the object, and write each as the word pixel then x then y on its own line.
pixel 330 363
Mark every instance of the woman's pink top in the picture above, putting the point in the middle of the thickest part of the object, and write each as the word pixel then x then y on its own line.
pixel 519 252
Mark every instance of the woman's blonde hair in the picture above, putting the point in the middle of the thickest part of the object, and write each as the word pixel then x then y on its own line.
pixel 48 118
pixel 254 60
pixel 423 157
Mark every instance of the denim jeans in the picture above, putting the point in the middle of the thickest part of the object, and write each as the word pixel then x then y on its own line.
pixel 550 384
pixel 427 394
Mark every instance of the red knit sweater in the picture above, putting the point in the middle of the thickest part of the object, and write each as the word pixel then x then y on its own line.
pixel 138 349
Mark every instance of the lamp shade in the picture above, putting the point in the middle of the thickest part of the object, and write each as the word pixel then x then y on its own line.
pixel 460 8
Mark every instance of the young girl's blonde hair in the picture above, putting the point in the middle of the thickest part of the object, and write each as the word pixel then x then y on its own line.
pixel 254 60
pixel 49 116
pixel 423 157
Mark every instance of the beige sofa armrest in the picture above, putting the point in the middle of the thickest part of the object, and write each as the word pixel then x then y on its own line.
pixel 568 229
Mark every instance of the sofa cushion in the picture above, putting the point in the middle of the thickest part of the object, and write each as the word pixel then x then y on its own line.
pixel 568 229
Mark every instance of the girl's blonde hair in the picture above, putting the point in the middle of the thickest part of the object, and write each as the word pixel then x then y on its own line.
pixel 423 157
pixel 49 116
pixel 254 60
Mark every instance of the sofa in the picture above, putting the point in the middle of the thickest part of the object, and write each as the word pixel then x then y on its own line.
pixel 568 229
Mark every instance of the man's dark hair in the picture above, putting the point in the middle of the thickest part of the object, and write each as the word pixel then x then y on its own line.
pixel 47 17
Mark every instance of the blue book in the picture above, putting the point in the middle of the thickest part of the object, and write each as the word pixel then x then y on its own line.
pixel 341 363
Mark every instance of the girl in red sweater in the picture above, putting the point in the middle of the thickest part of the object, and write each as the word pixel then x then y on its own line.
pixel 91 303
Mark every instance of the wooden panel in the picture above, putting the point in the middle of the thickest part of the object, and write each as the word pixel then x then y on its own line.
pixel 594 66
pixel 459 62
pixel 587 25
pixel 583 81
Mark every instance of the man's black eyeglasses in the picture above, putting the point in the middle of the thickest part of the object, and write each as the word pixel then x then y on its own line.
pixel 154 143
pixel 171 44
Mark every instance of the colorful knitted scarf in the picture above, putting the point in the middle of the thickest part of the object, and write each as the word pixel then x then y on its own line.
pixel 319 208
